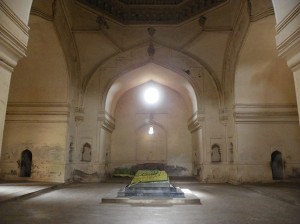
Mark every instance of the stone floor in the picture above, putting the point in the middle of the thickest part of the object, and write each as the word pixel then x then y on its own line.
pixel 221 203
pixel 10 191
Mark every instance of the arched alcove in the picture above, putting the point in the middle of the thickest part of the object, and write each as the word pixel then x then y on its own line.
pixel 26 163
pixel 277 165
pixel 151 143
pixel 169 142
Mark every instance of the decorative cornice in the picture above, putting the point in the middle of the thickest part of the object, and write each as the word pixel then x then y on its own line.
pixel 37 104
pixel 107 121
pixel 273 113
pixel 260 9
pixel 43 9
pixel 37 114
pixel 38 109
pixel 108 126
pixel 266 13
pixel 154 12
pixel 44 15
pixel 13 44
pixel 290 45
pixel 6 66
pixel 288 18
pixel 288 38
pixel 9 13
pixel 195 121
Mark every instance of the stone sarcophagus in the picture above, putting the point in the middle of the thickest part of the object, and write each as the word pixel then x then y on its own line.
pixel 151 183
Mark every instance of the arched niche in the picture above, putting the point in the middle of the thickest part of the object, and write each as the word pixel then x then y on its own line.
pixel 132 144
pixel 151 143
pixel 277 165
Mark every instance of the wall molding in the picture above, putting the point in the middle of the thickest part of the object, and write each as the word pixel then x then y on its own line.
pixel 6 66
pixel 14 17
pixel 265 113
pixel 289 44
pixel 14 34
pixel 35 10
pixel 288 38
pixel 288 18
pixel 37 112
pixel 259 16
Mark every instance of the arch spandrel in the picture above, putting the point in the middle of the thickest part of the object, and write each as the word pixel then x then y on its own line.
pixel 185 66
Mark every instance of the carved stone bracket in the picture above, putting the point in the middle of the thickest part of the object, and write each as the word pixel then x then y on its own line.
pixel 195 122
pixel 107 122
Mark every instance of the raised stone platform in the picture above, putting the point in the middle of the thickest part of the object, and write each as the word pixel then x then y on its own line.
pixel 154 189
pixel 152 192
pixel 188 199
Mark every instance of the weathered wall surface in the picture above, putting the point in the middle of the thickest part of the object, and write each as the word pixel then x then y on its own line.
pixel 46 141
pixel 44 66
pixel 265 107
pixel 13 44
pixel 37 111
pixel 261 76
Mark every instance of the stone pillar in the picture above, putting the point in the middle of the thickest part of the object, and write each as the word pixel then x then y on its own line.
pixel 106 127
pixel 13 44
pixel 5 74
pixel 287 15
pixel 195 126
pixel 79 118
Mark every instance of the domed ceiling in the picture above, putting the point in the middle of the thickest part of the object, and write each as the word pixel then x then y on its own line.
pixel 151 11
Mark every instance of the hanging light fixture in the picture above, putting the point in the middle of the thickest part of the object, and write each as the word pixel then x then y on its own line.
pixel 151 130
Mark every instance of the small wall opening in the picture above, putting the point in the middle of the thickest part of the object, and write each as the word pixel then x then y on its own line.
pixel 277 165
pixel 215 153
pixel 86 154
pixel 26 162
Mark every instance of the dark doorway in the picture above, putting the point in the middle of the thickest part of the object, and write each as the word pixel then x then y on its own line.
pixel 26 161
pixel 277 165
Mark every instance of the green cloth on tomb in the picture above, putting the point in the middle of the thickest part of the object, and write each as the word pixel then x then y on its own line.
pixel 123 172
pixel 147 176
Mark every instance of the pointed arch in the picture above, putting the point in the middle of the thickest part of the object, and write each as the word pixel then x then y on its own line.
pixel 190 69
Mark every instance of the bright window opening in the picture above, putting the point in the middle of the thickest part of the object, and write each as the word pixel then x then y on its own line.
pixel 151 95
